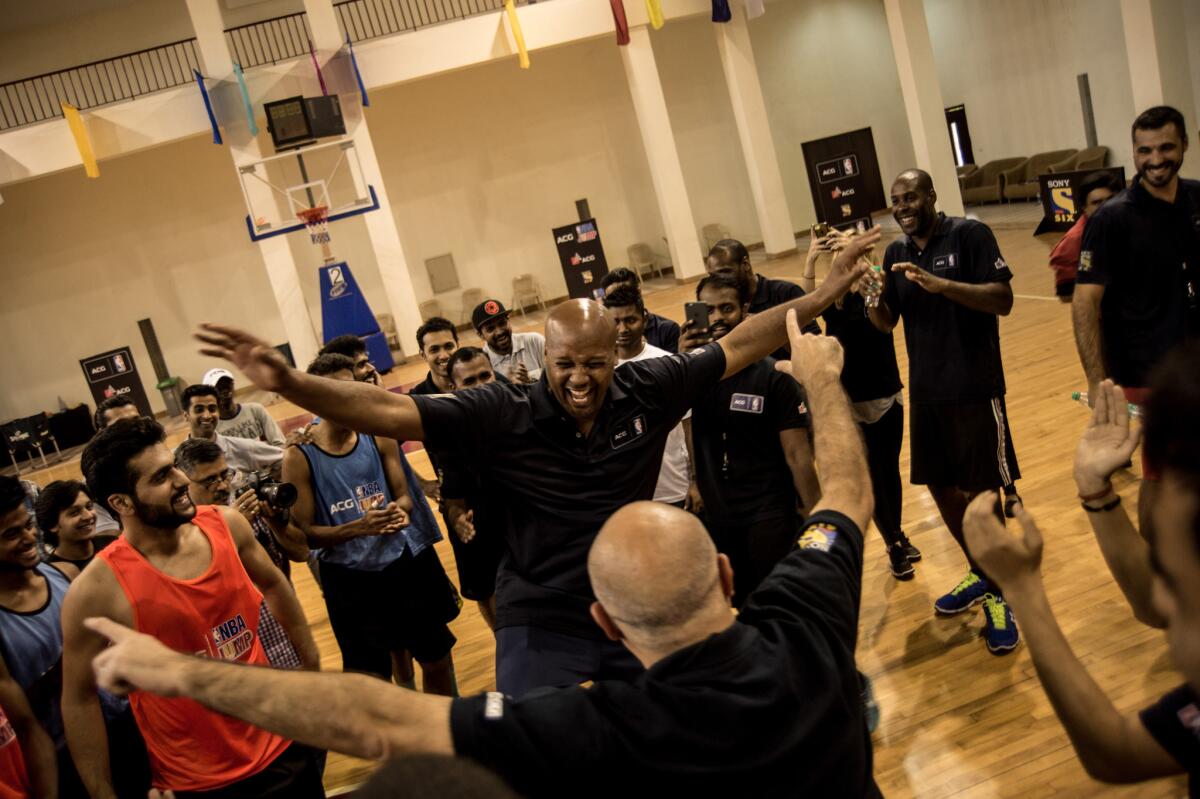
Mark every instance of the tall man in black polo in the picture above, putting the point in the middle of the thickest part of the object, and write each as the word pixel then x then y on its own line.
pixel 566 452
pixel 948 280
pixel 764 704
pixel 1135 291
pixel 730 257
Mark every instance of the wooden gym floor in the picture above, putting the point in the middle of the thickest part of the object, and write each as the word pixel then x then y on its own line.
pixel 956 721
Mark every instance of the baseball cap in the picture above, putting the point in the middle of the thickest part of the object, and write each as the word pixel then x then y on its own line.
pixel 486 311
pixel 213 376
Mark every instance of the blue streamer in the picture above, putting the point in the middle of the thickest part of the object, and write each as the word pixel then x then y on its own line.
pixel 241 79
pixel 721 11
pixel 357 75
pixel 208 107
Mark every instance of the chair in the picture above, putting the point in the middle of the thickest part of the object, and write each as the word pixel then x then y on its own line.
pixel 986 185
pixel 714 233
pixel 642 261
pixel 430 309
pixel 387 326
pixel 526 288
pixel 470 298
pixel 26 435
pixel 1021 182
pixel 1089 158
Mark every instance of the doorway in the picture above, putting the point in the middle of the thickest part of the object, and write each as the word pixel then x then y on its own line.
pixel 960 135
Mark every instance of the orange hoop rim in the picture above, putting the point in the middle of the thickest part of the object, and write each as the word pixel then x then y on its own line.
pixel 314 216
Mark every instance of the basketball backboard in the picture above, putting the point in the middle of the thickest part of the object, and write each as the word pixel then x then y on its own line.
pixel 278 187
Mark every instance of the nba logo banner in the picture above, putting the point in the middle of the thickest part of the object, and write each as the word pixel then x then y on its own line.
pixel 114 374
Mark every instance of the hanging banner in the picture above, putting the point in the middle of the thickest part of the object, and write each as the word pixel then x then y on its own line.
pixel 114 374
pixel 241 79
pixel 212 118
pixel 83 142
pixel 517 34
pixel 721 11
pixel 654 12
pixel 622 24
pixel 357 75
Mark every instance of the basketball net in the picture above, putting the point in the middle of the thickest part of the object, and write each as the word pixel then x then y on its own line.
pixel 316 219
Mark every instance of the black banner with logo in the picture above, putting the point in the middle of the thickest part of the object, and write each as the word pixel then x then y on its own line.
pixel 844 176
pixel 115 374
pixel 582 258
pixel 1061 203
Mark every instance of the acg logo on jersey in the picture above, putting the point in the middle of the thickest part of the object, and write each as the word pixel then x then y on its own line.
pixel 232 638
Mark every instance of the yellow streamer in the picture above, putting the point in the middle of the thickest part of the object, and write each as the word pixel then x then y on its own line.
pixel 82 140
pixel 654 10
pixel 518 36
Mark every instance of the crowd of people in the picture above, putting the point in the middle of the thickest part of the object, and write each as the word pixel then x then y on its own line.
pixel 671 514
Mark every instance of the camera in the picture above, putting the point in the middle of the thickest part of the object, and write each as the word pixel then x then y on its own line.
pixel 280 496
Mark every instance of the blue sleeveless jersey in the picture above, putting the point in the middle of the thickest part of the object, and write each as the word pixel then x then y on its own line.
pixel 32 645
pixel 346 486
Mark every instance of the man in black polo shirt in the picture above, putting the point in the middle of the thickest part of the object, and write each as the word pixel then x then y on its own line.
pixel 753 458
pixel 729 257
pixel 766 704
pixel 437 339
pixel 946 277
pixel 660 331
pixel 565 452
pixel 1135 292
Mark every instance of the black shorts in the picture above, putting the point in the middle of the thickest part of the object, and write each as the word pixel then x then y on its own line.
pixel 477 561
pixel 405 605
pixel 295 773
pixel 967 445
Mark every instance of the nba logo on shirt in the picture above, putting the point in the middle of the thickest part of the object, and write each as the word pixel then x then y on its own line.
pixel 232 638
pixel 945 263
pixel 368 495
pixel 746 403
pixel 639 425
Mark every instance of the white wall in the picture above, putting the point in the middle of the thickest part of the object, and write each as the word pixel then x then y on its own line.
pixel 1014 65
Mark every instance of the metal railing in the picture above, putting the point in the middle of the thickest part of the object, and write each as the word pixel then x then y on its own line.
pixel 29 100
pixel 370 19
pixel 269 41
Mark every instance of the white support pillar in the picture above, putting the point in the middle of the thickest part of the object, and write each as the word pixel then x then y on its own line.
pixel 397 282
pixel 923 100
pixel 754 130
pixel 276 255
pixel 641 71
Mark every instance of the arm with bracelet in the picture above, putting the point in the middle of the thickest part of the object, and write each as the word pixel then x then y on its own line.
pixel 1106 446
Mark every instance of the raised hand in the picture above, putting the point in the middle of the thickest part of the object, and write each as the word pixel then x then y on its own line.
pixel 262 364
pixel 1108 442
pixel 813 357
pixel 691 339
pixel 1006 555
pixel 248 505
pixel 926 280
pixel 135 661
pixel 846 266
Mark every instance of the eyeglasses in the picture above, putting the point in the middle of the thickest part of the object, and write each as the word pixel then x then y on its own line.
pixel 209 483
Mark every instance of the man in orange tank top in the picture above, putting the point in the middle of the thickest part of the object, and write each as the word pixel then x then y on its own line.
pixel 194 578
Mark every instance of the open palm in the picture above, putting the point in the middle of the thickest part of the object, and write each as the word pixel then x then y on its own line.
pixel 261 363
pixel 1109 440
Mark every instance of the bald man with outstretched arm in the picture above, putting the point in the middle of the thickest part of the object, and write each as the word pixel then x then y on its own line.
pixel 765 702
pixel 565 452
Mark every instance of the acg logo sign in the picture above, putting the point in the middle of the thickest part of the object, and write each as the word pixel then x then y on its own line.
pixel 345 504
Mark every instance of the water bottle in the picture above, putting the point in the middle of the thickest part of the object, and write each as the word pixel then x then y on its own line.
pixel 876 291
pixel 1082 397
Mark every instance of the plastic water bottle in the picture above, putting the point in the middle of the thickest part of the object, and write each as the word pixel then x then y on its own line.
pixel 876 292
pixel 1082 397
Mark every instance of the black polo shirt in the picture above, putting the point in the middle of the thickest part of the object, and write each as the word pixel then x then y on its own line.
pixel 662 332
pixel 869 369
pixel 1174 722
pixel 769 707
pixel 771 292
pixel 741 470
pixel 953 351
pixel 426 386
pixel 1146 253
pixel 557 486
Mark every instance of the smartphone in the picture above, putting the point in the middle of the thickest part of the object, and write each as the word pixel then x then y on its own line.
pixel 696 314
pixel 820 229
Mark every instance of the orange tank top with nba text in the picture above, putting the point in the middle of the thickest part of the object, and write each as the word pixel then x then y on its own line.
pixel 14 782
pixel 214 615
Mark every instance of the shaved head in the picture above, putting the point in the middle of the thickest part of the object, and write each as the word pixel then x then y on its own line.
pixel 914 204
pixel 581 353
pixel 917 177
pixel 654 570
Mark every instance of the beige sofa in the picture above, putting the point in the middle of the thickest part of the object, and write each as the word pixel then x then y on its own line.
pixel 986 185
pixel 1021 182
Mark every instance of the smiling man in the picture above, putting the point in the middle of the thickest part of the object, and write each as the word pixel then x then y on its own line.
pixel 194 578
pixel 437 339
pixel 565 452
pixel 201 408
pixel 518 356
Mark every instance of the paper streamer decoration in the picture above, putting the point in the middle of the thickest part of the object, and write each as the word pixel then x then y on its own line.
pixel 357 75
pixel 212 118
pixel 241 79
pixel 755 8
pixel 654 12
pixel 317 67
pixel 82 141
pixel 518 36
pixel 618 9
pixel 721 12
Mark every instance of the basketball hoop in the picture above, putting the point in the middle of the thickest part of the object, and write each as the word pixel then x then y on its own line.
pixel 316 219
